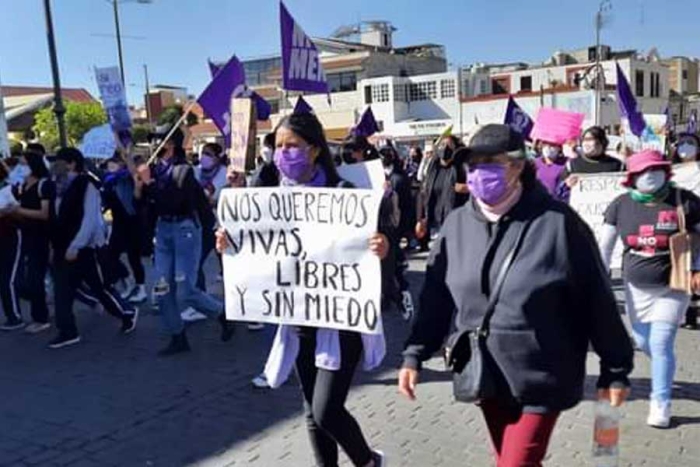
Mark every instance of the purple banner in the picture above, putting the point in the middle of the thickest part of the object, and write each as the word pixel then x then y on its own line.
pixel 301 64
pixel 216 98
pixel 628 104
pixel 367 126
pixel 263 109
pixel 302 106
pixel 518 119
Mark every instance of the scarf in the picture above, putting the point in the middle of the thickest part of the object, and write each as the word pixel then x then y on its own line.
pixel 318 180
pixel 162 172
pixel 114 177
pixel 646 198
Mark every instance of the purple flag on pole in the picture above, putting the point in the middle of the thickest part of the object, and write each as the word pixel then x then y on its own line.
pixel 692 127
pixel 301 64
pixel 518 119
pixel 367 126
pixel 302 107
pixel 216 98
pixel 263 108
pixel 628 104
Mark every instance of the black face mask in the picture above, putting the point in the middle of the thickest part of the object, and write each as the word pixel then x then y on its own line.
pixel 446 154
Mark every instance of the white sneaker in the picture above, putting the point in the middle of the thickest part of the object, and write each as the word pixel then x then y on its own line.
pixel 36 328
pixel 138 294
pixel 256 326
pixel 190 315
pixel 659 414
pixel 260 381
pixel 408 309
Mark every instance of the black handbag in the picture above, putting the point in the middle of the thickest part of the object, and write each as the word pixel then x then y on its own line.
pixel 467 356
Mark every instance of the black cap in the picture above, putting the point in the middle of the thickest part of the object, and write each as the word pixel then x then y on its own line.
pixel 494 139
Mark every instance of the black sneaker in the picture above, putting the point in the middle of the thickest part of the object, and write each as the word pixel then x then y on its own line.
pixel 129 322
pixel 178 344
pixel 227 328
pixel 64 341
pixel 12 325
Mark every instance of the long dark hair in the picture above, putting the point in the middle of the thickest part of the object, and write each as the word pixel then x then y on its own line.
pixel 599 134
pixel 307 126
pixel 35 162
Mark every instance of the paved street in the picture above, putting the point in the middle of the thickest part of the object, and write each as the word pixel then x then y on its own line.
pixel 110 402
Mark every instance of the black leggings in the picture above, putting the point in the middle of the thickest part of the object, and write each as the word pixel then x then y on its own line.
pixel 328 421
pixel 126 237
pixel 10 256
pixel 35 264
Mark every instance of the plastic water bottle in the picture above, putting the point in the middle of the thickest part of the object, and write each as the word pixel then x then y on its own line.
pixel 606 435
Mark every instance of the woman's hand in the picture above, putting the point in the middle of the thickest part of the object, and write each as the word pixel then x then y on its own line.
pixel 143 172
pixel 379 245
pixel 461 188
pixel 408 379
pixel 421 229
pixel 572 181
pixel 616 396
pixel 221 240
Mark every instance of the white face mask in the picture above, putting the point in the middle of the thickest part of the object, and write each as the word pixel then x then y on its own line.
pixel 687 151
pixel 266 154
pixel 550 152
pixel 590 148
pixel 651 181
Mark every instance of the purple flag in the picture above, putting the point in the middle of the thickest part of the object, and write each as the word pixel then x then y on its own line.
pixel 367 126
pixel 692 127
pixel 216 98
pixel 302 106
pixel 301 65
pixel 263 109
pixel 518 119
pixel 628 104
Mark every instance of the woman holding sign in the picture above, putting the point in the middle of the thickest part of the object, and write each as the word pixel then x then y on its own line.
pixel 646 218
pixel 520 276
pixel 325 359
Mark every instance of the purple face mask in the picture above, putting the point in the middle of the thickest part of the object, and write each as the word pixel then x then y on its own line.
pixel 207 162
pixel 294 163
pixel 488 182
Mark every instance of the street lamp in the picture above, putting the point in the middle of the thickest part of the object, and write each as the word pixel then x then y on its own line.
pixel 115 7
pixel 58 107
pixel 604 7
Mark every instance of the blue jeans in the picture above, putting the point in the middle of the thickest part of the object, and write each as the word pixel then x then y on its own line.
pixel 657 339
pixel 178 248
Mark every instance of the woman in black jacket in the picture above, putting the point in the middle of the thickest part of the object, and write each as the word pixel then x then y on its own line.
pixel 554 300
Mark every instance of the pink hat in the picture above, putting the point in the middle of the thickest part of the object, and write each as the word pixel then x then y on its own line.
pixel 557 126
pixel 643 161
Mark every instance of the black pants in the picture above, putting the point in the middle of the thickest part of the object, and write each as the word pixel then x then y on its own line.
pixel 10 257
pixel 68 276
pixel 208 243
pixel 35 264
pixel 126 238
pixel 328 421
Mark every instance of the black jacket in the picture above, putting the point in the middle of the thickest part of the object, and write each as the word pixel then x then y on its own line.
pixel 438 197
pixel 401 184
pixel 556 299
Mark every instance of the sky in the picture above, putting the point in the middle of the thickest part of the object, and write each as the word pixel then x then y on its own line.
pixel 175 37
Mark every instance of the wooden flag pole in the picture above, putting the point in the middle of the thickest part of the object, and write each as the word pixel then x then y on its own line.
pixel 177 124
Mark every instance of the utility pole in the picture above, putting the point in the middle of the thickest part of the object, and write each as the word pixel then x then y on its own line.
pixel 605 6
pixel 115 6
pixel 58 107
pixel 148 97
pixel 459 100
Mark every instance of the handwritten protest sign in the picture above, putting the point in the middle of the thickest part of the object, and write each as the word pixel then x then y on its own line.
pixel 591 196
pixel 242 134
pixel 98 143
pixel 113 98
pixel 301 256
pixel 687 176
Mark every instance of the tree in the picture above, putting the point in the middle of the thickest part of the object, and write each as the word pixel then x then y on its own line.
pixel 80 117
pixel 172 114
pixel 140 133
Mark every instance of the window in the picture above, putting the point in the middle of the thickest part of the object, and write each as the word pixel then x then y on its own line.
pixel 447 88
pixel 342 82
pixel 655 85
pixel 499 86
pixel 399 92
pixel 526 84
pixel 257 71
pixel 368 94
pixel 422 91
pixel 483 87
pixel 380 93
pixel 685 74
pixel 639 83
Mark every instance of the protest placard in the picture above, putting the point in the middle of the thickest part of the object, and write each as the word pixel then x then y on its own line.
pixel 591 196
pixel 301 256
pixel 113 96
pixel 687 176
pixel 99 143
pixel 364 175
pixel 243 129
